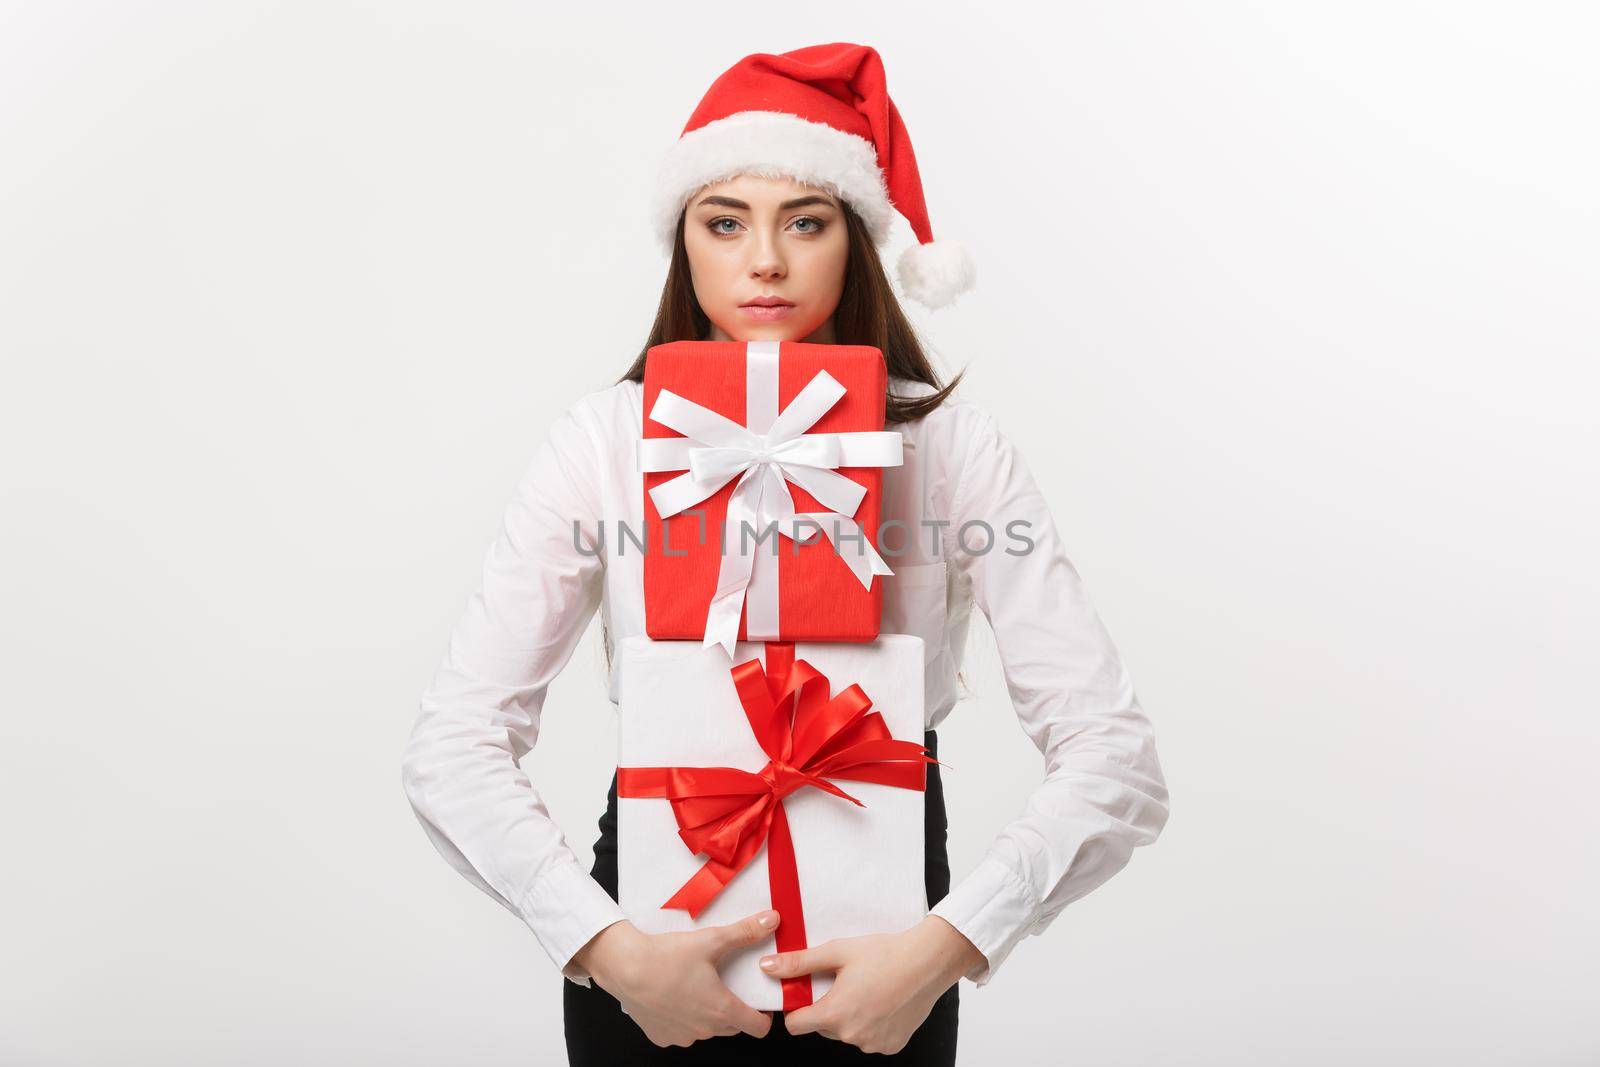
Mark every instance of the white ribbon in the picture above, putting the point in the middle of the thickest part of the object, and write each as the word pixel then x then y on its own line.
pixel 765 454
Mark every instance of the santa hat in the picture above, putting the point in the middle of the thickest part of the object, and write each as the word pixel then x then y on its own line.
pixel 822 116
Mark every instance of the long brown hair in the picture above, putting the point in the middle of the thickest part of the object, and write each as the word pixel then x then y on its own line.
pixel 868 314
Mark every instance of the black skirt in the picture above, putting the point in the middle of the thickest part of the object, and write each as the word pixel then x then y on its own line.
pixel 600 1033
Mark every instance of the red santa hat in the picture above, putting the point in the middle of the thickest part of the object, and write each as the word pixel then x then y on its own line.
pixel 822 116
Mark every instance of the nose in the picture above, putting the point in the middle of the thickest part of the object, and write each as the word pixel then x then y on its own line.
pixel 767 261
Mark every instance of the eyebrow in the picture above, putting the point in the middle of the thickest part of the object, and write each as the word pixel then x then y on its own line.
pixel 728 201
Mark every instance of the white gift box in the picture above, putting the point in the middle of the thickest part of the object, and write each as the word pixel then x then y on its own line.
pixel 860 868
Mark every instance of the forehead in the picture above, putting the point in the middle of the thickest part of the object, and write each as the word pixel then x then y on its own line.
pixel 757 189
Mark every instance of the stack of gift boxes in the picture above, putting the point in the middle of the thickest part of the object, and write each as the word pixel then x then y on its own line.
pixel 770 742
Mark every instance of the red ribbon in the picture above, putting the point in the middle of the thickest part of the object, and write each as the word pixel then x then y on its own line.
pixel 727 814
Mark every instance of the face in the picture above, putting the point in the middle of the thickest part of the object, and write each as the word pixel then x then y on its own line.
pixel 750 238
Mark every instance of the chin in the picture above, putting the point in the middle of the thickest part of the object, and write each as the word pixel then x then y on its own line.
pixel 745 331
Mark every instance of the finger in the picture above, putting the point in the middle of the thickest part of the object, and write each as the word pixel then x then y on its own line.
pixel 828 956
pixel 813 1018
pixel 747 931
pixel 753 1022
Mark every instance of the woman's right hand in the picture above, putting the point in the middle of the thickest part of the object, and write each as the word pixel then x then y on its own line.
pixel 668 983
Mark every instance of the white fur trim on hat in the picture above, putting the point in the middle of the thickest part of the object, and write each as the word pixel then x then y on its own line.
pixel 773 144
pixel 936 273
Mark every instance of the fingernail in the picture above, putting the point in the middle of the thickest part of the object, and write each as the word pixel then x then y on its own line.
pixel 768 962
pixel 769 919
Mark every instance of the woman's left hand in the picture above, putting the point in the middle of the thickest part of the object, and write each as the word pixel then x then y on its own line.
pixel 884 985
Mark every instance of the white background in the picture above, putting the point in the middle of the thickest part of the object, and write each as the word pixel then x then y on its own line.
pixel 1292 307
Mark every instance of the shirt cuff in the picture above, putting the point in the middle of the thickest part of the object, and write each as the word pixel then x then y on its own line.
pixel 994 909
pixel 565 909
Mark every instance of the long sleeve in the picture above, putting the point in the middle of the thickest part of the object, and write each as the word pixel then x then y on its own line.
pixel 480 714
pixel 1103 792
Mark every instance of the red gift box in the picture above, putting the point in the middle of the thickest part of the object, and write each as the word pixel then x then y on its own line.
pixel 791 436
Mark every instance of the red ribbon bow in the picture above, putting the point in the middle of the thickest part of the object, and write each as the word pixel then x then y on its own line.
pixel 727 814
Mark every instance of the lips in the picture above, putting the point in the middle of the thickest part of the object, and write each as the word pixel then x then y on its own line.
pixel 768 302
pixel 772 313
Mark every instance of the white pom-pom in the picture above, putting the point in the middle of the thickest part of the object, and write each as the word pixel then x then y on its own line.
pixel 934 274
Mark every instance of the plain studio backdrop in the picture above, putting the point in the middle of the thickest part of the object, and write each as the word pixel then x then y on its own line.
pixel 1292 308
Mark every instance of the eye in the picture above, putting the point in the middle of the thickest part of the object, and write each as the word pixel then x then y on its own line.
pixel 715 224
pixel 817 224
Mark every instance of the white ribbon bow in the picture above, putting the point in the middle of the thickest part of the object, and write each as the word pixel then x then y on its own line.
pixel 714 449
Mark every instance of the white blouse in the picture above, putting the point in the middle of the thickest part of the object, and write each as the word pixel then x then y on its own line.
pixel 962 487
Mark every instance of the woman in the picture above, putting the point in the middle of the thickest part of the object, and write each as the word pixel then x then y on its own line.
pixel 773 203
